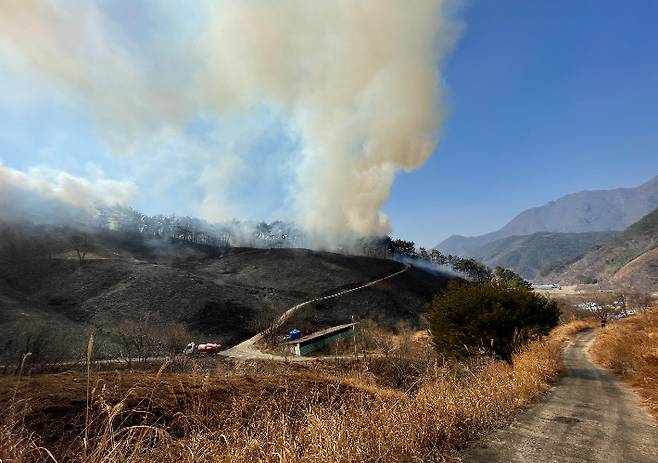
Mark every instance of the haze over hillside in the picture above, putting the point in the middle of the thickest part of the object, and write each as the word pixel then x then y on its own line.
pixel 528 254
pixel 582 212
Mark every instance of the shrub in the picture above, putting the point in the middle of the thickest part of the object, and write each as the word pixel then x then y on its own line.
pixel 491 318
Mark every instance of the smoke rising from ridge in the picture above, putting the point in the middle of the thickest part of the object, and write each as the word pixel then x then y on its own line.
pixel 358 82
pixel 44 195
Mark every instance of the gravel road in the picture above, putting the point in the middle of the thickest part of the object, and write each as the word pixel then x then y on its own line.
pixel 589 416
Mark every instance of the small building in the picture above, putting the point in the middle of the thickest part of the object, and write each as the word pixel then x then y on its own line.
pixel 547 287
pixel 320 339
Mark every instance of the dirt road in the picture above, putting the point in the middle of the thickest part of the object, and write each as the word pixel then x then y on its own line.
pixel 589 416
pixel 248 349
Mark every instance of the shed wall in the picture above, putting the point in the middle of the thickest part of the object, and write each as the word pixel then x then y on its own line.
pixel 322 342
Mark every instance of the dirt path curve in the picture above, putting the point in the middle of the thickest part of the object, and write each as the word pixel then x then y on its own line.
pixel 589 416
pixel 247 349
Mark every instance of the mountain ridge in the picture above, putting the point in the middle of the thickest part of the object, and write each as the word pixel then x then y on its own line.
pixel 581 212
pixel 528 254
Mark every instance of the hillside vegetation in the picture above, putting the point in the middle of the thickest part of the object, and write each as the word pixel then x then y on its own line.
pixel 528 254
pixel 629 259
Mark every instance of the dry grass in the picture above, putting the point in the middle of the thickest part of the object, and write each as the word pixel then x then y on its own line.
pixel 567 330
pixel 284 414
pixel 630 348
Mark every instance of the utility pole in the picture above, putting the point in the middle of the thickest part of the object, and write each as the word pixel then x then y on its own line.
pixel 356 356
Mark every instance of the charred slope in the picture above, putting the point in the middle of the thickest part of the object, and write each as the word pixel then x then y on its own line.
pixel 402 299
pixel 296 272
pixel 225 299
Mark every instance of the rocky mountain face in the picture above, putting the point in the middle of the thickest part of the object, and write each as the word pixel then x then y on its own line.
pixel 583 212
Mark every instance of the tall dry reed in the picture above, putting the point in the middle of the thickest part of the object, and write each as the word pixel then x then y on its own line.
pixel 342 421
pixel 629 347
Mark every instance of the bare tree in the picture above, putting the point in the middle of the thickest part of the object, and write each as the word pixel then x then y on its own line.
pixel 375 338
pixel 621 303
pixel 82 243
pixel 174 336
pixel 642 301
pixel 266 322
pixel 48 347
pixel 139 338
pixel 150 336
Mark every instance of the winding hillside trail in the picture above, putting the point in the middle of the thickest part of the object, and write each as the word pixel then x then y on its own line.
pixel 589 416
pixel 247 349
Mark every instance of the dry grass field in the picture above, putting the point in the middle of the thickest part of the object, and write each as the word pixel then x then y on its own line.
pixel 630 349
pixel 248 412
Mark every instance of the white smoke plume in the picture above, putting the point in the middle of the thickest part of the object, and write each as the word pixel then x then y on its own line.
pixel 45 195
pixel 359 82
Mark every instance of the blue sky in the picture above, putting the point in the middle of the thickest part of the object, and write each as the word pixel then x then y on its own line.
pixel 545 98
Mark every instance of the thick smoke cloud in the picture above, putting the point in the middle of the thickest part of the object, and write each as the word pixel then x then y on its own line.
pixel 361 82
pixel 44 195
pixel 82 48
pixel 358 81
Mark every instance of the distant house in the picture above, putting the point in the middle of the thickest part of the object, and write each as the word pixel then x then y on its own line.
pixel 320 339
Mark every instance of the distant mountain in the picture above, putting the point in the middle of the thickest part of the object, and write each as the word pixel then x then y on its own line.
pixel 630 259
pixel 528 254
pixel 583 212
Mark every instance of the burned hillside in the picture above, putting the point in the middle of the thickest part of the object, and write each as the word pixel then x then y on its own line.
pixel 118 284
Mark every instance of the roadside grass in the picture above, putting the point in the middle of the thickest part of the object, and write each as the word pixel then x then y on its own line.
pixel 629 348
pixel 272 413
